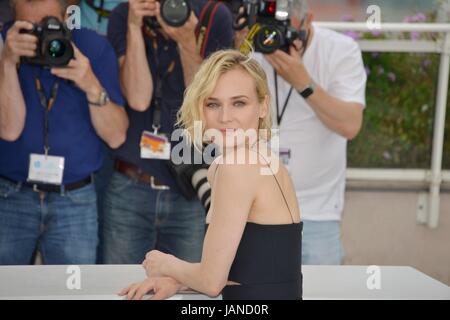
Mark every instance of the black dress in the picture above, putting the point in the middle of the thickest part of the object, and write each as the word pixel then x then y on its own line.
pixel 267 263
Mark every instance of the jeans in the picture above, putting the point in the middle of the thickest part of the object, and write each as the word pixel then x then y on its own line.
pixel 101 179
pixel 321 243
pixel 137 219
pixel 62 226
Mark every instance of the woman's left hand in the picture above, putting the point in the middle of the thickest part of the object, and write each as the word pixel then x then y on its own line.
pixel 161 288
pixel 156 262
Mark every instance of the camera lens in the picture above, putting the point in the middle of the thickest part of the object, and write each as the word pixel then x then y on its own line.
pixel 268 39
pixel 175 12
pixel 56 48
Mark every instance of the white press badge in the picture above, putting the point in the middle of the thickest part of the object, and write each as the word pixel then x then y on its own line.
pixel 46 169
pixel 154 146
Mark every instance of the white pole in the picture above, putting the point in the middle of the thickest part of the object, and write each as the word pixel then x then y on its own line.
pixel 438 139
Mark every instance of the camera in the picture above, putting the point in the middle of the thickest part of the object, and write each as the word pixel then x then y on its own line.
pixel 54 48
pixel 174 12
pixel 268 21
pixel 191 175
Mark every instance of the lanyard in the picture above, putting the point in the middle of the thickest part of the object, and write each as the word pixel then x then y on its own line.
pixel 280 116
pixel 47 105
pixel 275 76
pixel 157 92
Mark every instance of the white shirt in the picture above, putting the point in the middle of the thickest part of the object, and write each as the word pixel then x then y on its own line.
pixel 318 155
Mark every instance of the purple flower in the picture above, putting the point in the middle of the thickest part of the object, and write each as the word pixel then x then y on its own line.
pixel 420 17
pixel 415 35
pixel 426 63
pixel 347 17
pixel 368 72
pixel 376 33
pixel 352 34
pixel 391 76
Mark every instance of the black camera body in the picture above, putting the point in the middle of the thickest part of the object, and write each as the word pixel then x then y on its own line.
pixel 54 47
pixel 274 28
pixel 174 12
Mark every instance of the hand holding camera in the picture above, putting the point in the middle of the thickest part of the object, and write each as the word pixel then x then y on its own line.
pixel 54 47
pixel 138 9
pixel 19 44
pixel 183 35
pixel 80 72
pixel 290 65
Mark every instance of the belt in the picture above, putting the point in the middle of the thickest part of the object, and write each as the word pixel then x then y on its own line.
pixel 39 187
pixel 135 173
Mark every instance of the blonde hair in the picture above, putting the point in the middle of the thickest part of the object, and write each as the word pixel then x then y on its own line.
pixel 205 81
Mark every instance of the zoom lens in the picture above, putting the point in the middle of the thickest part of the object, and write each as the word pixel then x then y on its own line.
pixel 56 48
pixel 175 12
pixel 268 39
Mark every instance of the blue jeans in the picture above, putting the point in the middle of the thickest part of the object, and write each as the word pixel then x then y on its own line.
pixel 63 226
pixel 321 243
pixel 137 219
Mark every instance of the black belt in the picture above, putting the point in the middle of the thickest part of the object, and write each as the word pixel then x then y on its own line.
pixel 38 187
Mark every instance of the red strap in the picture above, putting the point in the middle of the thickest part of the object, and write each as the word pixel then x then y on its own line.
pixel 205 41
pixel 202 16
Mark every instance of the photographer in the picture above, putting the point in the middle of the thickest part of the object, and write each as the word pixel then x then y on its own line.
pixel 52 121
pixel 144 208
pixel 319 96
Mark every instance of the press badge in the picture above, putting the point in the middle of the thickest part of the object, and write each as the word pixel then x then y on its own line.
pixel 46 169
pixel 285 156
pixel 154 146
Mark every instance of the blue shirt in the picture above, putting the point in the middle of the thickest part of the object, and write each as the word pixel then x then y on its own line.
pixel 71 133
pixel 220 37
pixel 91 20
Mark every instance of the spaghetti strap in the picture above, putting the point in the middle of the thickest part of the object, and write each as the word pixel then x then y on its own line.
pixel 279 186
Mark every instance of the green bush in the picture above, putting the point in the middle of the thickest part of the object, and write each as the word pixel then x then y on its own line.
pixel 398 120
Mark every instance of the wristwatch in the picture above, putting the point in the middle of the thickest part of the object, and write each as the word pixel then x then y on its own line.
pixel 102 100
pixel 308 90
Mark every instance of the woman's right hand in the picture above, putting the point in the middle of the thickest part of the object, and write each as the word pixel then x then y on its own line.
pixel 162 288
pixel 138 9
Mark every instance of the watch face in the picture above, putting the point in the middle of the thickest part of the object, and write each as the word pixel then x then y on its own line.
pixel 104 99
pixel 307 92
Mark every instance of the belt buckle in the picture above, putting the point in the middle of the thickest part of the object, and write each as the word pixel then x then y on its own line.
pixel 155 187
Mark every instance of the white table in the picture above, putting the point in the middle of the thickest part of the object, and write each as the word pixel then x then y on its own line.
pixel 319 282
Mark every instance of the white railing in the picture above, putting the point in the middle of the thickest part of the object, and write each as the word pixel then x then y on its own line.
pixel 429 203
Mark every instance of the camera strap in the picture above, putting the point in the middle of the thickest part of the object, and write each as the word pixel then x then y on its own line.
pixel 157 92
pixel 47 105
pixel 275 76
pixel 204 25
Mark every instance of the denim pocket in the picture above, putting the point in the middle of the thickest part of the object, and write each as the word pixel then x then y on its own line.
pixel 119 183
pixel 84 195
pixel 7 188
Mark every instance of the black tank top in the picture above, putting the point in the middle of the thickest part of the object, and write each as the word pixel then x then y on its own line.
pixel 268 262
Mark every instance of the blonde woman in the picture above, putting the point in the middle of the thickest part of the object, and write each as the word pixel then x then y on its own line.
pixel 252 244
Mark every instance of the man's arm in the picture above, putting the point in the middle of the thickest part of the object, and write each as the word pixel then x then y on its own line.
pixel 342 117
pixel 12 104
pixel 110 121
pixel 187 45
pixel 135 76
